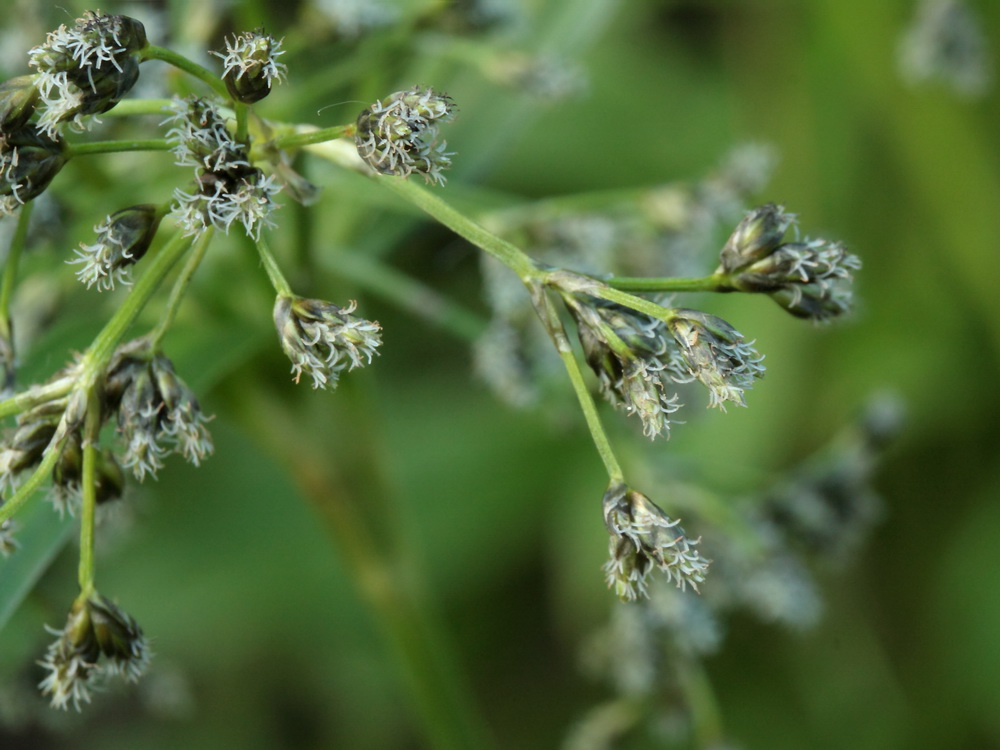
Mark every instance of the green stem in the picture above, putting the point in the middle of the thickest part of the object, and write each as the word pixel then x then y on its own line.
pixel 152 52
pixel 508 254
pixel 88 488
pixel 278 280
pixel 716 282
pixel 111 147
pixel 705 714
pixel 242 112
pixel 17 243
pixel 180 287
pixel 311 137
pixel 131 107
pixel 36 395
pixel 107 340
pixel 553 324
pixel 95 360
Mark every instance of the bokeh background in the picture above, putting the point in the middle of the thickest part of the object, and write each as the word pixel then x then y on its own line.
pixel 261 635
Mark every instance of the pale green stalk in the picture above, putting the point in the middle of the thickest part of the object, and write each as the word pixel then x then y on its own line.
pixel 278 280
pixel 716 282
pixel 112 147
pixel 97 357
pixel 152 52
pixel 88 490
pixel 180 287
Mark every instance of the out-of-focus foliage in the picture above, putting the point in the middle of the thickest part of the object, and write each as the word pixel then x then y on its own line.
pixel 260 637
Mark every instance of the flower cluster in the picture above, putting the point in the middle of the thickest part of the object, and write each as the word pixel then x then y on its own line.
pixel 633 358
pixel 810 279
pixel 717 355
pixel 55 424
pixel 321 339
pixel 122 239
pixel 99 640
pixel 157 412
pixel 643 537
pixel 228 188
pixel 398 135
pixel 86 69
pixel 251 65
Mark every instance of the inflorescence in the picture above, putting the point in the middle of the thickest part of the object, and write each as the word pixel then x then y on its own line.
pixel 638 349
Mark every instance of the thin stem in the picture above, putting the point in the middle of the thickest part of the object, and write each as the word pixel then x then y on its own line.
pixel 152 52
pixel 716 282
pixel 311 137
pixel 107 340
pixel 96 359
pixel 507 253
pixel 36 395
pixel 17 243
pixel 278 280
pixel 553 324
pixel 131 107
pixel 112 147
pixel 180 287
pixel 88 490
pixel 242 116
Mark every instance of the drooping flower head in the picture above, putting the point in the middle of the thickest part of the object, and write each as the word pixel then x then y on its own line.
pixel 98 640
pixel 322 339
pixel 717 355
pixel 644 538
pixel 157 412
pixel 122 240
pixel 633 357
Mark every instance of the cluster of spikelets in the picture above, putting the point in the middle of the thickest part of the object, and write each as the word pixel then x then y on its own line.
pixel 638 350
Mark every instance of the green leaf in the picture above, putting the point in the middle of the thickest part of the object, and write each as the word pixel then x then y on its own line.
pixel 41 534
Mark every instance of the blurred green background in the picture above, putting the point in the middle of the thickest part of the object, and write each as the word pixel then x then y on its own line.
pixel 262 639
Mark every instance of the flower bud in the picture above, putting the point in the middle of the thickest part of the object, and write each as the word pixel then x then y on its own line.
pixel 758 235
pixel 398 136
pixel 18 97
pixel 122 240
pixel 251 66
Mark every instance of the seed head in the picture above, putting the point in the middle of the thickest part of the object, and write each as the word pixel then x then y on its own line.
pixel 643 538
pixel 8 542
pixel 251 65
pixel 398 135
pixel 322 339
